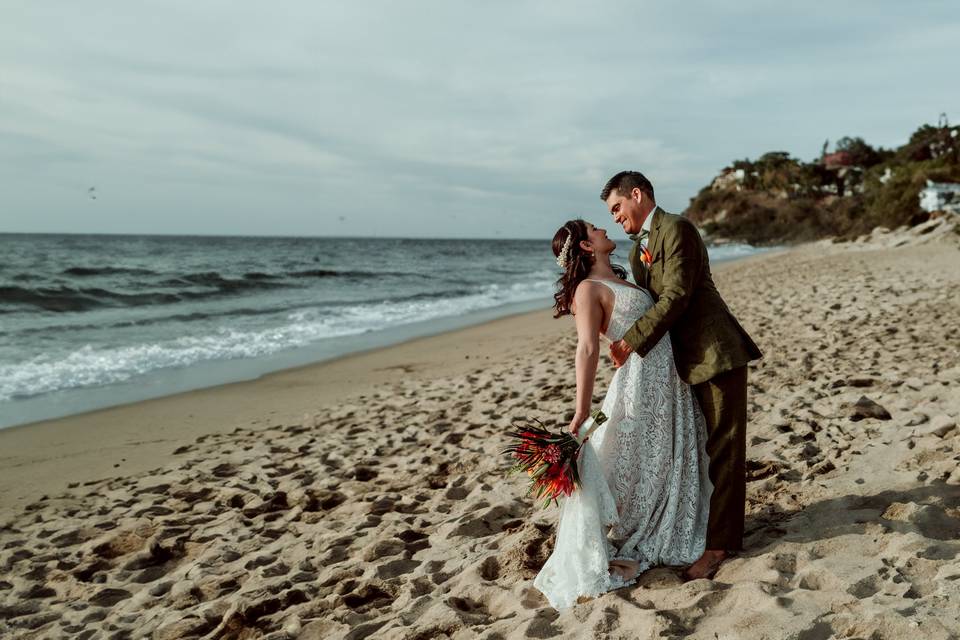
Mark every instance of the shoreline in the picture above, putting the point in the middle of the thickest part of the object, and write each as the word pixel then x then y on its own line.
pixel 162 383
pixel 209 373
pixel 273 398
pixel 72 443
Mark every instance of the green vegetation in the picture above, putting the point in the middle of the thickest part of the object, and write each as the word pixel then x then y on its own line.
pixel 778 198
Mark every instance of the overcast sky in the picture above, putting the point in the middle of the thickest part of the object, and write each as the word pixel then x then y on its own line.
pixel 439 119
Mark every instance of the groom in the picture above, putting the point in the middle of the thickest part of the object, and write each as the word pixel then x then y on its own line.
pixel 710 348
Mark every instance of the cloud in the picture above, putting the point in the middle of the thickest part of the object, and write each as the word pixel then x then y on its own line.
pixel 433 118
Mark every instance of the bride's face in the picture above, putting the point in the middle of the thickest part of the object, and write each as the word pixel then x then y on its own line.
pixel 598 239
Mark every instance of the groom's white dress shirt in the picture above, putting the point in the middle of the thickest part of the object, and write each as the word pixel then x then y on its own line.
pixel 648 223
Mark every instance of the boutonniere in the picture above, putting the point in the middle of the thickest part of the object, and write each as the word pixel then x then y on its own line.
pixel 645 256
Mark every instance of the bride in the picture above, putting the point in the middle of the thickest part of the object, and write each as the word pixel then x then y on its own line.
pixel 645 493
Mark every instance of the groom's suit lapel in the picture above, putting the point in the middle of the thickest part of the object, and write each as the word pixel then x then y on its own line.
pixel 656 238
pixel 654 244
pixel 640 272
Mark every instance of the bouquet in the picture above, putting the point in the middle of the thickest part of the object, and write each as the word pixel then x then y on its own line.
pixel 549 458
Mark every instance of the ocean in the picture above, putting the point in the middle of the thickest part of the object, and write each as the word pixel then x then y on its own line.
pixel 89 321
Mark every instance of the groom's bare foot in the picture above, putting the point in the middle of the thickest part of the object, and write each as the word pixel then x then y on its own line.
pixel 706 566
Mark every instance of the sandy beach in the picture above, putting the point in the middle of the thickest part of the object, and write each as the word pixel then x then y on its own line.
pixel 366 497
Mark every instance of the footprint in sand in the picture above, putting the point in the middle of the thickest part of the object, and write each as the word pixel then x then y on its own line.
pixel 395 568
pixel 368 596
pixel 383 549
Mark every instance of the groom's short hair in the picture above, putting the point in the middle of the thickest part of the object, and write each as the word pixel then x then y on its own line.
pixel 625 182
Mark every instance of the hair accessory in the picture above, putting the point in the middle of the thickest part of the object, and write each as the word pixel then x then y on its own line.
pixel 565 251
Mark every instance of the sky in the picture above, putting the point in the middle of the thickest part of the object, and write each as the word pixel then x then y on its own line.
pixel 433 118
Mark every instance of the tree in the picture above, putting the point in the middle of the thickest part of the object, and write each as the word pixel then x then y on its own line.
pixel 861 153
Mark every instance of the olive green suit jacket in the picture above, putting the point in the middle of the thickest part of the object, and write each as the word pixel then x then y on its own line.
pixel 707 339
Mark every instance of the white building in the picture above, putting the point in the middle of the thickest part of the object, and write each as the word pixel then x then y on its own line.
pixel 940 196
pixel 729 179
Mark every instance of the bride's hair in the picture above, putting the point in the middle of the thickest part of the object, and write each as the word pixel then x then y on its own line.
pixel 578 263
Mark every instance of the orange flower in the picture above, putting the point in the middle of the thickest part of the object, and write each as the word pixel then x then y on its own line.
pixel 645 256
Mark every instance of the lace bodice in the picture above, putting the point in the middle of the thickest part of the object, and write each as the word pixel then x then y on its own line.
pixel 629 304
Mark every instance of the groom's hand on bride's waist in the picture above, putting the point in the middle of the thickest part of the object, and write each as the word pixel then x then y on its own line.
pixel 620 351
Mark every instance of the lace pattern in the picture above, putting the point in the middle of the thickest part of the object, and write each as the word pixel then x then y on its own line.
pixel 645 492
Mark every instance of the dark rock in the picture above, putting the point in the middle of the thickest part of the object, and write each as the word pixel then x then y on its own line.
pixel 364 474
pixel 867 408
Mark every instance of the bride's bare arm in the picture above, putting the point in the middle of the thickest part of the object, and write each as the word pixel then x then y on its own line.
pixel 589 317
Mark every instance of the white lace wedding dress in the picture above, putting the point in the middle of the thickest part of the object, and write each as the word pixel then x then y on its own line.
pixel 645 492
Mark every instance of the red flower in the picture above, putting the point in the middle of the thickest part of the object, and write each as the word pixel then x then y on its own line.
pixel 548 458
pixel 552 454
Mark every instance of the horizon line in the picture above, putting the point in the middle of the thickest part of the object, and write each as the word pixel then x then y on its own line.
pixel 217 235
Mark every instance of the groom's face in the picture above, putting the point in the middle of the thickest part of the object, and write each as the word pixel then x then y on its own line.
pixel 628 210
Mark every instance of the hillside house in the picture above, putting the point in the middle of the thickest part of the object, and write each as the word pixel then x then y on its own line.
pixel 940 196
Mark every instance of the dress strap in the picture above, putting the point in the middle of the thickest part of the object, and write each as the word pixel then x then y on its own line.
pixel 608 284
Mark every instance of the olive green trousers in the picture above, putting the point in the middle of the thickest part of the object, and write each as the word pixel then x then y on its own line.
pixel 723 400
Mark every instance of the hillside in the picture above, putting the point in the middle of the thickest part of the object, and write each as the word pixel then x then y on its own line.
pixel 778 198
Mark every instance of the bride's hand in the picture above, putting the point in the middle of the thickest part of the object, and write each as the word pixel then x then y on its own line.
pixel 575 424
